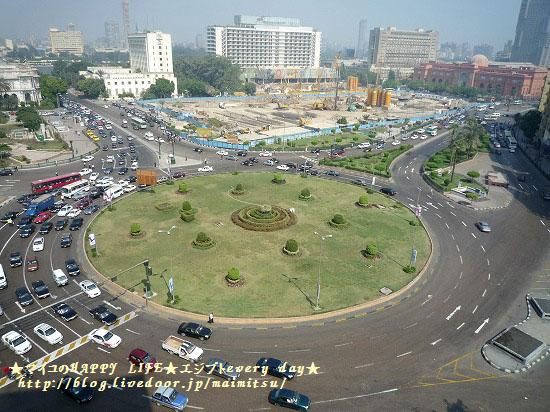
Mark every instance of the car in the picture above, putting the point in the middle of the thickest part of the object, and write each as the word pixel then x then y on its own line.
pixel 8 216
pixel 360 182
pixel 221 368
pixel 122 171
pixel 129 188
pixel 65 210
pixel 265 154
pixel 110 159
pixel 74 213
pixel 413 137
pixel 254 160
pixel 76 224
pixel 162 179
pixel 396 143
pixel 60 224
pixel 24 221
pixel 231 157
pixel 81 194
pixel 23 296
pixel 66 240
pixel 178 175
pixel 103 314
pixel 242 153
pixel 283 167
pixel 105 338
pixel 315 151
pixel 222 153
pixel 90 288
pixel 546 195
pixel 16 342
pixel 40 289
pixel 96 192
pixel 305 168
pixel 206 169
pixel 48 333
pixel 132 179
pixel 141 357
pixel 483 226
pixel 314 173
pixel 276 367
pixel 169 397
pixel 404 137
pixel 247 163
pixel 73 388
pixel 194 330
pixel 289 399
pixel 38 244
pixel 93 177
pixel 104 148
pixel 32 264
pixel 83 203
pixel 26 231
pixel 87 158
pixel 332 173
pixel 291 165
pixel 6 172
pixel 57 206
pixel 363 145
pixel 388 191
pixel 423 137
pixel 64 311
pixel 45 228
pixel 91 209
pixel 85 171
pixel 73 269
pixel 15 259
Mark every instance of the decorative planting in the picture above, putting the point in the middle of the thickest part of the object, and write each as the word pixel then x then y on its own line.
pixel 291 247
pixel 238 190
pixel 363 201
pixel 203 241
pixel 265 218
pixel 305 194
pixel 338 221
pixel 278 179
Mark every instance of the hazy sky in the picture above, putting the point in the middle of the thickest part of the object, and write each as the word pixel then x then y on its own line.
pixel 474 21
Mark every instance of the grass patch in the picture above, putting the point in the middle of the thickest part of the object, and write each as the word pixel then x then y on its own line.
pixel 324 141
pixel 50 145
pixel 274 284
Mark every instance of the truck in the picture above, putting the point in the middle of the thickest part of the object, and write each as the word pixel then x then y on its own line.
pixel 184 349
pixel 16 342
pixel 40 204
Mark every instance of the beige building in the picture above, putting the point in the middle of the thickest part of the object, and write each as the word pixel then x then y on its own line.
pixel 23 80
pixel 544 129
pixel 69 41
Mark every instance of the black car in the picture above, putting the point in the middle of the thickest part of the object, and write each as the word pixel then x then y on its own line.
pixel 103 314
pixel 66 240
pixel 198 150
pixel 360 182
pixel 26 231
pixel 388 191
pixel 194 330
pixel 291 165
pixel 108 170
pixel 8 216
pixel 57 206
pixel 242 153
pixel 274 160
pixel 76 223
pixel 276 367
pixel 23 296
pixel 72 267
pixel 305 168
pixel 314 173
pixel 40 289
pixel 289 399
pixel 231 157
pixel 6 172
pixel 104 148
pixel 178 175
pixel 15 259
pixel 24 221
pixel 60 224
pixel 96 192
pixel 122 171
pixel 133 178
pixel 91 209
pixel 253 159
pixel 64 311
pixel 75 390
pixel 247 163
pixel 332 173
pixel 315 151
pixel 221 368
pixel 45 228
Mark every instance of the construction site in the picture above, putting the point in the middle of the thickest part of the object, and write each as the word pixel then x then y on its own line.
pixel 289 111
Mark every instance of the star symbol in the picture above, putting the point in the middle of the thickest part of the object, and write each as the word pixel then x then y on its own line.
pixel 16 369
pixel 312 370
pixel 170 369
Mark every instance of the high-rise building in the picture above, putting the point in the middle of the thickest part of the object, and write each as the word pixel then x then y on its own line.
pixel 69 41
pixel 150 52
pixel 362 50
pixel 112 35
pixel 266 42
pixel 400 50
pixel 485 49
pixel 125 23
pixel 532 41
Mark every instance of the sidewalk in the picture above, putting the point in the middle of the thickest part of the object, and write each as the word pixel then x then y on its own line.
pixel 532 153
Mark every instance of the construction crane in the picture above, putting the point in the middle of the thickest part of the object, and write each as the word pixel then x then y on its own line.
pixel 336 65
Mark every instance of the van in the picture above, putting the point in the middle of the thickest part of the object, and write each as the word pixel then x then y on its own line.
pixel 114 192
pixel 59 277
pixel 3 280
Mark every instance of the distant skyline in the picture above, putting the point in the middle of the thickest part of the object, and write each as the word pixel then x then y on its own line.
pixel 473 21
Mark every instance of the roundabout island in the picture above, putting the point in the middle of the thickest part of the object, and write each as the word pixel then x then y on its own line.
pixel 251 245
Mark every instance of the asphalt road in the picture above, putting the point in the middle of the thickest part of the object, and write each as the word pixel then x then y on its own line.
pixel 417 353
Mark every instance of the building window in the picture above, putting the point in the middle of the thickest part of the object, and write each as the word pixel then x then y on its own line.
pixel 115 83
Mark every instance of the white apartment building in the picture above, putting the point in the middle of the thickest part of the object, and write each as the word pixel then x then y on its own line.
pixel 401 50
pixel 24 82
pixel 266 43
pixel 151 52
pixel 69 41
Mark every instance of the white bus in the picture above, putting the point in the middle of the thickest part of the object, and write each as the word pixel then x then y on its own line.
pixel 68 191
pixel 138 123
pixel 113 192
pixel 510 141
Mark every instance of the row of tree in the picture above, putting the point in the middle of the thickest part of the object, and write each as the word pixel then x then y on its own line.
pixel 29 117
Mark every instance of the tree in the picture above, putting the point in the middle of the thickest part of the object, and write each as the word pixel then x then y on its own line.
pixel 391 82
pixel 4 85
pixel 50 86
pixel 29 117
pixel 471 135
pixel 529 123
pixel 92 88
pixel 161 89
pixel 192 87
pixel 455 145
pixel 250 88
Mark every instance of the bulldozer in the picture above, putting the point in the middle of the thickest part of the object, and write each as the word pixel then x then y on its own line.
pixel 319 106
pixel 302 121
pixel 282 106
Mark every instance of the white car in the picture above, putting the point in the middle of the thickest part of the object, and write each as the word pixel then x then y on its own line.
pixel 363 145
pixel 85 172
pixel 395 143
pixel 423 137
pixel 283 167
pixel 108 126
pixel 269 162
pixel 414 137
pixel 105 106
pixel 48 333
pixel 104 182
pixel 64 210
pixel 93 177
pixel 222 153
pixel 122 182
pixel 113 139
pixel 206 169
pixel 38 244
pixel 90 288
pixel 404 137
pixel 129 188
pixel 110 159
pixel 159 139
pixel 105 338
pixel 74 213
pixel 87 158
pixel 134 166
pixel 265 154
pixel 130 138
pixel 16 342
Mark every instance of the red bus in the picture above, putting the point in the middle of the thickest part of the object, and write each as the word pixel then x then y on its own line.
pixel 52 183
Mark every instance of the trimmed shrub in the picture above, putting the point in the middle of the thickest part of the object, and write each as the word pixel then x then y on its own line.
pixel 473 173
pixel 338 220
pixel 370 191
pixel 238 189
pixel 203 241
pixel 170 182
pixel 472 196
pixel 278 178
pixel 187 217
pixel 291 246
pixel 163 206
pixel 409 269
pixel 186 206
pixel 135 229
pixel 182 188
pixel 233 275
pixel 372 249
pixel 413 222
pixel 363 200
pixel 305 194
pixel 202 237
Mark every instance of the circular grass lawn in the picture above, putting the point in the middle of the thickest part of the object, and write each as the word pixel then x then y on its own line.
pixel 274 284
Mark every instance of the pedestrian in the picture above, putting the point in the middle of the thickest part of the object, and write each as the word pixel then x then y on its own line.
pixel 56 173
pixel 211 318
pixel 155 164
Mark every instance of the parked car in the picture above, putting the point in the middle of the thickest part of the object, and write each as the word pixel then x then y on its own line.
pixel 198 150
pixel 332 173
pixel 289 399
pixel 242 153
pixel 23 296
pixel 169 397
pixel 360 182
pixel 265 154
pixel 64 311
pixel 105 338
pixel 222 153
pixel 32 264
pixel 221 368
pixel 194 330
pixel 48 333
pixel 206 169
pixel 103 314
pixel 15 259
pixel 283 168
pixel 89 288
pixel 40 289
pixel 75 390
pixel 139 356
pixel 72 267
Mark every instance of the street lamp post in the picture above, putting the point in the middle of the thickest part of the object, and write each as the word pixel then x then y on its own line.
pixel 317 307
pixel 418 212
pixel 168 232
pixel 148 273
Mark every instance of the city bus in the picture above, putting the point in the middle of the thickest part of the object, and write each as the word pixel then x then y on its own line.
pixel 510 141
pixel 136 121
pixel 68 191
pixel 52 183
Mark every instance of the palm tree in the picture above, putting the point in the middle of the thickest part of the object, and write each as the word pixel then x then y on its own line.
pixel 455 145
pixel 4 85
pixel 471 135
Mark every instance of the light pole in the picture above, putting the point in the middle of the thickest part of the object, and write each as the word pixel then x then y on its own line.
pixel 148 272
pixel 317 307
pixel 417 213
pixel 171 257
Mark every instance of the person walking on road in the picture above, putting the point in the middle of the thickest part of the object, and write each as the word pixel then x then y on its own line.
pixel 211 318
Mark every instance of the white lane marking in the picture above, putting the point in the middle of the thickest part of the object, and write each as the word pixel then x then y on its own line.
pixel 453 236
pixel 461 325
pixel 534 187
pixel 456 285
pixel 457 248
pixel 111 305
pixel 407 177
pixel 460 276
pixel 363 366
pixel 211 350
pixel 474 311
pixel 488 262
pixel 461 261
pixel 464 223
pixel 451 206
pixel 438 216
pixel 435 342
pixel 355 397
pixel 432 205
pixel 519 184
pixel 399 168
pixel 103 350
pixel 447 298
pixel 410 200
pixel 84 320
pixel 34 343
pixel 486 321
pixel 439 204
pixel 403 354
pixel 483 294
pixel 412 170
pixel 131 331
pixel 452 213
pixel 489 276
pixel 429 196
pixel 447 225
pixel 474 235
pixel 8 241
pixel 427 300
pixel 299 350
pixel 544 224
pixel 482 248
pixel 453 312
pixel 405 170
pixel 20 307
pixel 252 352
pixel 336 346
pixel 411 326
